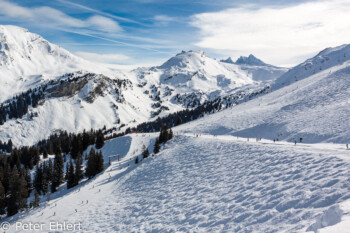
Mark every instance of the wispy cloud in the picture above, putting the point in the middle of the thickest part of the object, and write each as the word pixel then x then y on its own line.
pixel 79 6
pixel 55 18
pixel 105 24
pixel 163 20
pixel 117 42
pixel 279 35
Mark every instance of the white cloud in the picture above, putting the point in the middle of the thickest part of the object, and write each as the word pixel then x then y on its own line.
pixel 284 35
pixel 163 20
pixel 14 11
pixel 103 58
pixel 104 24
pixel 48 14
pixel 54 18
pixel 79 6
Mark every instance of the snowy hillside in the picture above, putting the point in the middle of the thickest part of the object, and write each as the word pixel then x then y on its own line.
pixel 76 102
pixel 315 108
pixel 324 60
pixel 205 184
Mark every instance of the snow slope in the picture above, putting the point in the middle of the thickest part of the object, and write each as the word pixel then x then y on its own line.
pixel 315 108
pixel 324 60
pixel 206 184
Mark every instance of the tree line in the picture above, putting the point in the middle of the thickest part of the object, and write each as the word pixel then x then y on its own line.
pixel 18 106
pixel 16 183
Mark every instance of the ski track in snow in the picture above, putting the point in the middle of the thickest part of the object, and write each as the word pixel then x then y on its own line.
pixel 208 184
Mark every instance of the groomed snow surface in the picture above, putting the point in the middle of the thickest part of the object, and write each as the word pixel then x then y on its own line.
pixel 208 184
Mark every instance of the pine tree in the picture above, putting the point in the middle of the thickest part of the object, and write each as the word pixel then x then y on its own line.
pixel 145 152
pixel 12 203
pixel 36 199
pixel 78 169
pixel 9 145
pixel 163 135
pixel 100 140
pixel 86 140
pixel 100 162
pixel 35 155
pixel 38 177
pixel 76 146
pixel 170 134
pixel 51 152
pixel 45 154
pixel 178 121
pixel 50 172
pixel 94 164
pixel 67 173
pixel 23 195
pixel 28 179
pixel 58 174
pixel 6 178
pixel 18 193
pixel 71 178
pixel 90 169
pixel 2 199
pixel 156 146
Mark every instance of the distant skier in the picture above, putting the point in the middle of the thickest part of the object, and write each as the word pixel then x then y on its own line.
pixel 347 146
pixel 54 213
pixel 295 142
pixel 87 201
pixel 301 139
pixel 76 210
pixel 274 140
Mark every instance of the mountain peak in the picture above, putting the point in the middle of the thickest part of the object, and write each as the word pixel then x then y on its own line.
pixel 250 60
pixel 242 60
pixel 228 60
pixel 4 29
pixel 184 59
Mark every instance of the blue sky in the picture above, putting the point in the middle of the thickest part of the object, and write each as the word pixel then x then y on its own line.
pixel 147 32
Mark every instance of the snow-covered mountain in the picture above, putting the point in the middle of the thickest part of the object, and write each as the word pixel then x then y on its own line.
pixel 29 62
pixel 190 78
pixel 26 60
pixel 250 60
pixel 256 68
